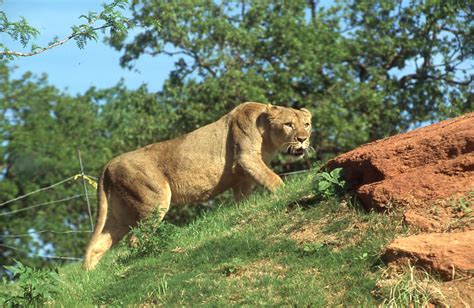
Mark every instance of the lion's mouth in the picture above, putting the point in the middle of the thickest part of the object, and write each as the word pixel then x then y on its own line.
pixel 295 151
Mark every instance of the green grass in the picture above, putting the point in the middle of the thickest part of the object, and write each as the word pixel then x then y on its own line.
pixel 279 249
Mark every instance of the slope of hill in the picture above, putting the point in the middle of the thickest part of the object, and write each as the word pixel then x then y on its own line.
pixel 292 247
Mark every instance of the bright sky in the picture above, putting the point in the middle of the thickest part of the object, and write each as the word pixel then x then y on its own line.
pixel 68 67
pixel 75 70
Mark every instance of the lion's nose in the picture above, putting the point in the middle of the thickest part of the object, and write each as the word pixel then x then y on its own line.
pixel 301 139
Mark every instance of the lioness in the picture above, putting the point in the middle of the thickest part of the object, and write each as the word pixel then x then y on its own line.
pixel 232 152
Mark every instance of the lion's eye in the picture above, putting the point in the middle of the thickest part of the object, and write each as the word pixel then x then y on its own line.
pixel 289 125
pixel 306 125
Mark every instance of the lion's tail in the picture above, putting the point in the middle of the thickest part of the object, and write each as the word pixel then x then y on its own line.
pixel 102 205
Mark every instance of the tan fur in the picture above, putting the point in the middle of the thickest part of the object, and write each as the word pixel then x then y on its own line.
pixel 233 152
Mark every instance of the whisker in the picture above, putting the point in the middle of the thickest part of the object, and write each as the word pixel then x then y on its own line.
pixel 286 145
pixel 289 142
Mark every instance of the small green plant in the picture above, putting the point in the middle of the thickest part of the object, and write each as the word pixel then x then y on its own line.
pixel 413 288
pixel 331 183
pixel 151 236
pixel 38 286
pixel 462 204
pixel 158 292
pixel 363 256
pixel 312 247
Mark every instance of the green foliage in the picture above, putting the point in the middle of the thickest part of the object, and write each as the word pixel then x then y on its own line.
pixel 37 286
pixel 150 237
pixel 110 18
pixel 366 69
pixel 463 205
pixel 330 184
pixel 19 30
pixel 41 130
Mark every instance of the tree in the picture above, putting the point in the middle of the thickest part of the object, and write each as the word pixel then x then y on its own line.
pixel 366 69
pixel 110 18
pixel 41 130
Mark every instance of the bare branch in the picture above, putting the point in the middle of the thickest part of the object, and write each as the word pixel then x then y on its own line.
pixel 422 77
pixel 361 68
pixel 313 6
pixel 194 56
pixel 394 59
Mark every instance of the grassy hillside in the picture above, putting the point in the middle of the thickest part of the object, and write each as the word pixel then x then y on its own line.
pixel 275 249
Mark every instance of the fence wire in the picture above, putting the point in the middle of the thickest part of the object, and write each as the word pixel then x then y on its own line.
pixel 44 231
pixel 29 253
pixel 90 179
pixel 37 191
pixel 41 204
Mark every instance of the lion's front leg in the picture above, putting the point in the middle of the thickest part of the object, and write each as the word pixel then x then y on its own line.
pixel 254 167
pixel 243 189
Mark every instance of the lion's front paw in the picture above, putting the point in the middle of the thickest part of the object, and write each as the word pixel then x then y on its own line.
pixel 275 183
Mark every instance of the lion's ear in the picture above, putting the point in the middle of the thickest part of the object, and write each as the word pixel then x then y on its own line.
pixel 305 111
pixel 272 109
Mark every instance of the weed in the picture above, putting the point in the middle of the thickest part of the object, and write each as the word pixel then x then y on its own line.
pixel 158 292
pixel 412 288
pixel 37 286
pixel 151 236
pixel 363 256
pixel 462 205
pixel 330 184
pixel 312 247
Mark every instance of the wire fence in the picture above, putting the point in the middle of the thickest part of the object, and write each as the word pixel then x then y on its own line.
pixel 29 253
pixel 86 180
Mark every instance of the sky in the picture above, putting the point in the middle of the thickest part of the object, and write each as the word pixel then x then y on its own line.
pixel 74 70
pixel 69 68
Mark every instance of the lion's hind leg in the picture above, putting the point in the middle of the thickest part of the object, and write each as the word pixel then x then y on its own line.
pixel 117 225
pixel 103 242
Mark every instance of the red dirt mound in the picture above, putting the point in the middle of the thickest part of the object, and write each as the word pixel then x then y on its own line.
pixel 428 173
pixel 427 169
pixel 449 254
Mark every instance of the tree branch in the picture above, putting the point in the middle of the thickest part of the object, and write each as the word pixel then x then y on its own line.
pixel 362 69
pixel 394 59
pixel 422 77
pixel 193 55
pixel 43 49
pixel 313 6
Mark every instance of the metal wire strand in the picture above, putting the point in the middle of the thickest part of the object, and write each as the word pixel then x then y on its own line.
pixel 41 255
pixel 41 204
pixel 44 231
pixel 37 191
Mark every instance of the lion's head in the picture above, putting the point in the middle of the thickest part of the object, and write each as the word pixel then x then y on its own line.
pixel 291 129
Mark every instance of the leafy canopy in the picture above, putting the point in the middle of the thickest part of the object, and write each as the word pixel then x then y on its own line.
pixel 367 68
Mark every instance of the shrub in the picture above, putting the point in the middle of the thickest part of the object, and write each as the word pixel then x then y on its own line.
pixel 37 286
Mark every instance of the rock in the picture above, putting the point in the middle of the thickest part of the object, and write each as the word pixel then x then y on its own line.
pixel 421 222
pixel 449 254
pixel 458 293
pixel 414 169
pixel 428 174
